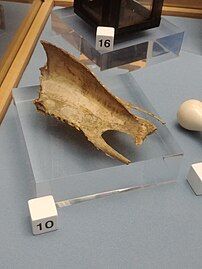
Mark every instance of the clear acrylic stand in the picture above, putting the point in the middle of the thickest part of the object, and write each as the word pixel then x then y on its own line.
pixel 65 164
pixel 136 50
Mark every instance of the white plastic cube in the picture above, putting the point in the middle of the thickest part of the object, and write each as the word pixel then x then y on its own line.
pixel 195 178
pixel 105 38
pixel 43 213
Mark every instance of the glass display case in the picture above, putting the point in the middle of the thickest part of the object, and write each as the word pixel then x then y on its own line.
pixel 123 15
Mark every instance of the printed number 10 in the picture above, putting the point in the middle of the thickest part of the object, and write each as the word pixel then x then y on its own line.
pixel 49 224
pixel 106 43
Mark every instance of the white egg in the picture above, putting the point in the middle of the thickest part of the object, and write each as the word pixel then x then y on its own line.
pixel 190 115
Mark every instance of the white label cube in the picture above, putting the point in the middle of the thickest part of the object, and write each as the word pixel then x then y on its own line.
pixel 43 213
pixel 105 38
pixel 195 178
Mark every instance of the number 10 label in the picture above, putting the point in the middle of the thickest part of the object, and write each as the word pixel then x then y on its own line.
pixel 105 38
pixel 43 213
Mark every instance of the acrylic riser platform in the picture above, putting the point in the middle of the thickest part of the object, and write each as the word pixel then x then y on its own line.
pixel 65 164
pixel 135 50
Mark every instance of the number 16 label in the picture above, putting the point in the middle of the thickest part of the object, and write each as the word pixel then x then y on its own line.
pixel 106 43
pixel 105 38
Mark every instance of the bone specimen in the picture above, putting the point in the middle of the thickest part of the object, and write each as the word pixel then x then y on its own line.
pixel 71 93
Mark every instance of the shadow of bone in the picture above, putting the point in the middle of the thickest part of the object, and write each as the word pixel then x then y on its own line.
pixel 121 142
pixel 74 142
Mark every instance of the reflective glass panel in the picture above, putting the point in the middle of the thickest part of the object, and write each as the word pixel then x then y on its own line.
pixel 134 12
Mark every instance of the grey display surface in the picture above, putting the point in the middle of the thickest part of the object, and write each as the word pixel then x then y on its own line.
pixel 154 228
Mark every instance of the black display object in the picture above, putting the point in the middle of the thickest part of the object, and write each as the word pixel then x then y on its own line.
pixel 123 15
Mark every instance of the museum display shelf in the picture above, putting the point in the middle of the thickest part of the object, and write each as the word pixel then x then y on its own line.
pixel 63 163
pixel 138 49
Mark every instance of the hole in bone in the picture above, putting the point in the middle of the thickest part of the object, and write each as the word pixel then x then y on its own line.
pixel 121 142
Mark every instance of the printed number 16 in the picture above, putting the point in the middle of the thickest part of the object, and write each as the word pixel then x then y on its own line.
pixel 106 43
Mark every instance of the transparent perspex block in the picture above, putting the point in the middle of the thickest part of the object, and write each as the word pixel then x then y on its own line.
pixel 65 164
pixel 130 52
